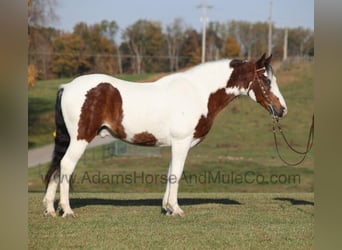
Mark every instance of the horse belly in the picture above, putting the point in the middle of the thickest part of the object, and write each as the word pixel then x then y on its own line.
pixel 146 121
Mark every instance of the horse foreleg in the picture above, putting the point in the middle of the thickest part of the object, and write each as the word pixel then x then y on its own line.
pixel 68 163
pixel 179 150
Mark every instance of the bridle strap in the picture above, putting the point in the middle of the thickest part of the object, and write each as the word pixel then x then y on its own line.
pixel 263 91
pixel 309 143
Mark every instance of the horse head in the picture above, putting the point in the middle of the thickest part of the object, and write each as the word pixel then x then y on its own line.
pixel 261 84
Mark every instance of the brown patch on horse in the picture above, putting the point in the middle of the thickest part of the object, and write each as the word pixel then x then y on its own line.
pixel 144 138
pixel 242 75
pixel 103 105
pixel 217 101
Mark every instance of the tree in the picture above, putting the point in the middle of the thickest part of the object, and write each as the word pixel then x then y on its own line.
pixel 68 60
pixel 109 30
pixel 300 41
pixel 214 42
pixel 231 47
pixel 145 39
pixel 31 75
pixel 191 49
pixel 86 50
pixel 40 13
pixel 175 39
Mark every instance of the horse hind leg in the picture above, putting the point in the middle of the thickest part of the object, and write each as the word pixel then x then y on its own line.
pixel 68 164
pixel 49 197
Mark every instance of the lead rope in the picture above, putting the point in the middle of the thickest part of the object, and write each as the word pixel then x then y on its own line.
pixel 309 143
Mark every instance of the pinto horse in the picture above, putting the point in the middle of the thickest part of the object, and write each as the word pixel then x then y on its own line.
pixel 177 110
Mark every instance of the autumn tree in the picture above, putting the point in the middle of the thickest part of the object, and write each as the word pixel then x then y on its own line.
pixel 86 50
pixel 231 47
pixel 40 13
pixel 191 49
pixel 145 46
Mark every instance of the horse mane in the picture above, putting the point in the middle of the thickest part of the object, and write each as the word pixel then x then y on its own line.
pixel 236 62
pixel 269 70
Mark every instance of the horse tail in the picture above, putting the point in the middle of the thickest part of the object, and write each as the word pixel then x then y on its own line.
pixel 62 140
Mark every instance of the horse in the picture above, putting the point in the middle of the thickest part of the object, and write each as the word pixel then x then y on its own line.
pixel 178 111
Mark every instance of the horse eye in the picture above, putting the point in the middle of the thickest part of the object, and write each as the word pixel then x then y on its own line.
pixel 268 82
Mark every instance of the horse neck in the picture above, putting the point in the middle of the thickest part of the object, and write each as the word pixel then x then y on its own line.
pixel 210 77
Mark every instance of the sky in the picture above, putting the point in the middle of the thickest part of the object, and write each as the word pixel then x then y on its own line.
pixel 286 13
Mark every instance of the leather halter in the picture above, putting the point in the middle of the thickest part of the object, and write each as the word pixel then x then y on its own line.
pixel 263 91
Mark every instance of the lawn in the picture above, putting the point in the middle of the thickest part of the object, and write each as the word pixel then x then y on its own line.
pixel 212 221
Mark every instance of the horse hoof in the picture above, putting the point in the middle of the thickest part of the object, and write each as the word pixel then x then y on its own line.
pixel 166 211
pixel 180 214
pixel 50 213
pixel 69 215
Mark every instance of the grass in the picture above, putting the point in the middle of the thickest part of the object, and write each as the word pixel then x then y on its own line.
pixel 212 221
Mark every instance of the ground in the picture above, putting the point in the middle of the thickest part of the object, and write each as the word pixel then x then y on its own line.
pixel 213 220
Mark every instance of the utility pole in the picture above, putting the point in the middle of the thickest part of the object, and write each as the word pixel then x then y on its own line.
pixel 204 19
pixel 285 44
pixel 270 30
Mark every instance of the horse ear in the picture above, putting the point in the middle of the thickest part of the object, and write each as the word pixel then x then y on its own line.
pixel 268 60
pixel 261 62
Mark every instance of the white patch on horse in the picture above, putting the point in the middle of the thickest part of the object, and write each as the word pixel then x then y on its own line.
pixel 235 91
pixel 275 90
pixel 251 94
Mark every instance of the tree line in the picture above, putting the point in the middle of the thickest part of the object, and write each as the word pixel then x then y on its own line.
pixel 145 46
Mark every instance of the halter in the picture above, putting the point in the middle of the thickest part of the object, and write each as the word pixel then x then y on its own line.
pixel 275 120
pixel 263 91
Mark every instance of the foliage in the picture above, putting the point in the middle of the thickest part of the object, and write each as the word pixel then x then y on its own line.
pixel 146 47
pixel 31 74
pixel 232 47
pixel 191 49
pixel 145 40
pixel 74 52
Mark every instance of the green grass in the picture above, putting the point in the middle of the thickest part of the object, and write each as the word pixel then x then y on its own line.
pixel 212 221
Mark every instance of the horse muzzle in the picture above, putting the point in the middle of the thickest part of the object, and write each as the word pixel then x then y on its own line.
pixel 277 113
